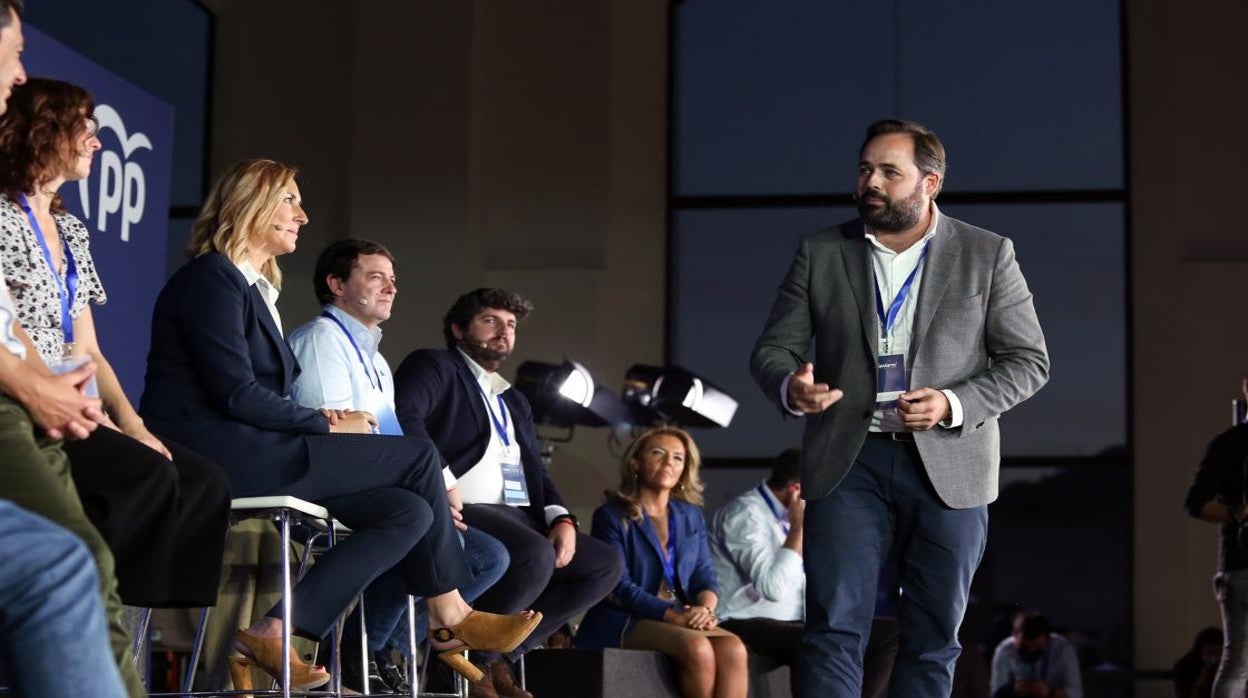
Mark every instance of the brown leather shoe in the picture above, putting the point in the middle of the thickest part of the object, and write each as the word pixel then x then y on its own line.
pixel 505 682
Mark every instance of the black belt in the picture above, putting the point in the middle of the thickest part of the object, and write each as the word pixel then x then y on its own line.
pixel 891 435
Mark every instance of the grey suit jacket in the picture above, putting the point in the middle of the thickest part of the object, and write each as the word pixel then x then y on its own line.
pixel 975 333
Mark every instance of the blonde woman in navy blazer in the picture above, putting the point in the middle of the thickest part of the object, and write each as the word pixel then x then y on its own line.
pixel 667 597
pixel 219 376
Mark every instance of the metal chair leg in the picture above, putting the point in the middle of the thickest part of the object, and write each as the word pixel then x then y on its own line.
pixel 140 645
pixel 197 650
pixel 363 648
pixel 413 678
pixel 335 632
pixel 284 519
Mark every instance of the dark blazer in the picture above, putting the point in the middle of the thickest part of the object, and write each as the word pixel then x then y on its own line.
pixel 219 376
pixel 634 597
pixel 437 397
pixel 975 333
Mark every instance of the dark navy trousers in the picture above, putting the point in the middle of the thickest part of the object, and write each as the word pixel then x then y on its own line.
pixel 886 501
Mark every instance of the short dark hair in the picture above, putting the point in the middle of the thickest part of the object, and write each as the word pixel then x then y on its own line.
pixel 18 7
pixel 338 260
pixel 786 470
pixel 929 152
pixel 1031 625
pixel 470 304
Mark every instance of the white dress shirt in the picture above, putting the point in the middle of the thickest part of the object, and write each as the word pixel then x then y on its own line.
pixel 758 576
pixel 268 291
pixel 483 483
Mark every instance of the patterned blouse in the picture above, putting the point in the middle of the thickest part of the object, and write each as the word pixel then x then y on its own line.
pixel 31 282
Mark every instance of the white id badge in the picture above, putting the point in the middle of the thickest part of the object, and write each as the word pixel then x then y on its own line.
pixel 890 380
pixel 515 490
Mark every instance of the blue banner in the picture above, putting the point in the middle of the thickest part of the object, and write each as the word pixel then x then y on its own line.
pixel 124 202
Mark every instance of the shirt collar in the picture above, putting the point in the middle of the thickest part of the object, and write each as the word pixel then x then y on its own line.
pixel 931 233
pixel 492 383
pixel 368 340
pixel 255 278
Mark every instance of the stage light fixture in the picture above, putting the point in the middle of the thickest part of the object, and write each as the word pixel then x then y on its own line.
pixel 565 395
pixel 673 394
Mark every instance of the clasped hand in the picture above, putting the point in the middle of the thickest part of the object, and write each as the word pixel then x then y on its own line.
pixel 696 617
pixel 349 421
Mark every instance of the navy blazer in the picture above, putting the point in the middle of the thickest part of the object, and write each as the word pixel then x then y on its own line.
pixel 634 597
pixel 219 375
pixel 436 396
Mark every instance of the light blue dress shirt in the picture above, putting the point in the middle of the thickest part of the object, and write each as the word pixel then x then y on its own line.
pixel 333 375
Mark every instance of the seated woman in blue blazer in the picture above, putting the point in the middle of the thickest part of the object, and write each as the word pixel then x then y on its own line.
pixel 218 379
pixel 666 599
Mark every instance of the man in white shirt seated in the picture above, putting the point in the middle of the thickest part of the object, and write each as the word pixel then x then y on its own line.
pixel 756 542
pixel 343 369
pixel 1035 662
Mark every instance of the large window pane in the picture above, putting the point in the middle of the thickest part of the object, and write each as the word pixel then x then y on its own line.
pixel 772 98
pixel 1025 95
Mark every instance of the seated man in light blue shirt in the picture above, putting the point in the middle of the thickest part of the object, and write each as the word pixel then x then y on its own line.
pixel 757 545
pixel 343 369
pixel 1035 662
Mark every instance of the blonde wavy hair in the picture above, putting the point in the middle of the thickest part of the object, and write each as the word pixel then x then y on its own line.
pixel 688 488
pixel 238 210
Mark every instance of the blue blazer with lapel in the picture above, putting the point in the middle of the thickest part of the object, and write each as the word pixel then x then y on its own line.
pixel 437 397
pixel 218 378
pixel 634 597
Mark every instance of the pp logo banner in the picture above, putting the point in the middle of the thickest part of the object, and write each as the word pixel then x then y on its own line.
pixel 121 192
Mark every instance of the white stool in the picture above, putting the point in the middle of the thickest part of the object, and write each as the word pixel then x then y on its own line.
pixel 282 510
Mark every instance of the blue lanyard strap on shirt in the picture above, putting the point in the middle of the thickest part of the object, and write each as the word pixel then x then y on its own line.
pixel 887 320
pixel 358 353
pixel 66 290
pixel 500 425
pixel 776 511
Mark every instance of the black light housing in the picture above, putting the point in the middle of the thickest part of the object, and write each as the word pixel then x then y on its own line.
pixel 673 394
pixel 565 395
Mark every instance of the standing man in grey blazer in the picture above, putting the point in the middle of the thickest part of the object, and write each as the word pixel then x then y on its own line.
pixel 924 334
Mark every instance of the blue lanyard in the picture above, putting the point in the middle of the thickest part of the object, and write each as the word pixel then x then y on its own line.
pixel 66 290
pixel 669 562
pixel 358 353
pixel 779 513
pixel 500 425
pixel 888 320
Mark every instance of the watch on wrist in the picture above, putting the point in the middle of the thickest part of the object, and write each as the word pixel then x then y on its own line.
pixel 576 526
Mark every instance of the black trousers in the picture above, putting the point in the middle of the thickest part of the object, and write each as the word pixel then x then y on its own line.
pixel 165 522
pixel 389 491
pixel 531 580
pixel 780 641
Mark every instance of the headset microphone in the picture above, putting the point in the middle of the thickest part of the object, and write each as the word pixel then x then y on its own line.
pixel 362 301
